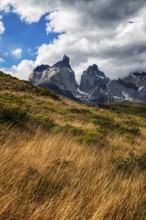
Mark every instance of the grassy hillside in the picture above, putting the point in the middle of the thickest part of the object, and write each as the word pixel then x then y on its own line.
pixel 66 160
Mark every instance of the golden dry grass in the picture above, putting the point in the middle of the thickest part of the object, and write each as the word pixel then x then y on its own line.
pixel 49 177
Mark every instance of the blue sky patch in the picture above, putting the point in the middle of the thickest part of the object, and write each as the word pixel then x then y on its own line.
pixel 27 37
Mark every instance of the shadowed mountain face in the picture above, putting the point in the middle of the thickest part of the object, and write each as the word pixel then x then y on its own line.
pixel 92 78
pixel 94 87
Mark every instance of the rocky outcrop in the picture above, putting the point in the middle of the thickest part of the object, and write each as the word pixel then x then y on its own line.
pixel 63 63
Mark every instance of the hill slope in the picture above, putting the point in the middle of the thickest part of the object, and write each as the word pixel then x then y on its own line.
pixel 66 160
pixel 22 103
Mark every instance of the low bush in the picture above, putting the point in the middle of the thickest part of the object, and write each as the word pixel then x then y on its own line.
pixel 79 111
pixel 44 121
pixel 70 130
pixel 107 124
pixel 13 114
pixel 130 163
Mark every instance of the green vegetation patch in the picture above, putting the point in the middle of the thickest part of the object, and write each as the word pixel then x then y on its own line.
pixel 8 82
pixel 108 124
pixel 43 121
pixel 13 114
pixel 22 103
pixel 81 111
pixel 128 108
pixel 130 163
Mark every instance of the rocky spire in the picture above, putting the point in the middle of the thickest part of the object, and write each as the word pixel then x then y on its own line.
pixel 63 63
pixel 93 70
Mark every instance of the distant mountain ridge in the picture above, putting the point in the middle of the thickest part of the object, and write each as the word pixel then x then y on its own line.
pixel 94 87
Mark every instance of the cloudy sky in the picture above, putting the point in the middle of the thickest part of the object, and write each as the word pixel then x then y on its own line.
pixel 110 33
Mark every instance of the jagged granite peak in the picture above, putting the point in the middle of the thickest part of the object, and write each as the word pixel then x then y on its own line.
pixel 41 68
pixel 63 63
pixel 92 78
pixel 94 88
pixel 93 70
pixel 60 78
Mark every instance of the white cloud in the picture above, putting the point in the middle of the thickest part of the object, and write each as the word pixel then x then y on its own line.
pixel 21 71
pixel 29 10
pixel 118 48
pixel 2 60
pixel 94 32
pixel 2 28
pixel 58 23
pixel 116 51
pixel 17 53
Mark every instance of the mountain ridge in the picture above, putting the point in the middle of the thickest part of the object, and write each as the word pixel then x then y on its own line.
pixel 95 87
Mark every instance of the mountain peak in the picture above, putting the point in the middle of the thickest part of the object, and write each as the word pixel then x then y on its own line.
pixel 93 70
pixel 94 85
pixel 65 58
pixel 63 63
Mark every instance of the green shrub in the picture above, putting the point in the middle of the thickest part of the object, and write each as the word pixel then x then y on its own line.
pixel 86 140
pixel 79 111
pixel 108 124
pixel 46 122
pixel 131 130
pixel 102 121
pixel 92 138
pixel 47 92
pixel 70 130
pixel 131 162
pixel 13 114
pixel 11 99
pixel 75 131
